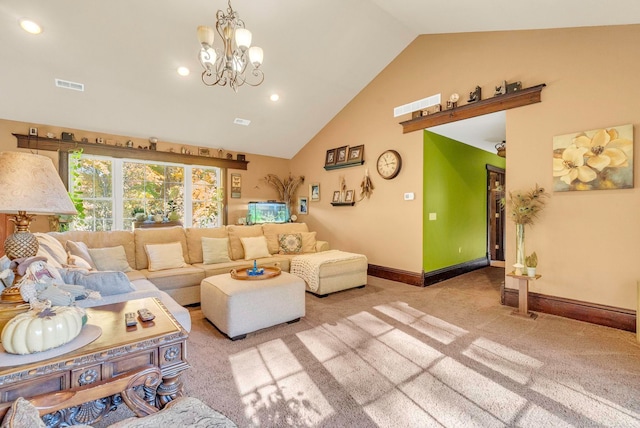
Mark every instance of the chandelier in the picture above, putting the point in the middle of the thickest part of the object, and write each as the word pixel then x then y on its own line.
pixel 229 65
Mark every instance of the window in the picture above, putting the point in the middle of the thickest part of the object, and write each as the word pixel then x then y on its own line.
pixel 112 190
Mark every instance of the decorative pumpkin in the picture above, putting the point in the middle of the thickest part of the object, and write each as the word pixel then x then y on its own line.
pixel 40 330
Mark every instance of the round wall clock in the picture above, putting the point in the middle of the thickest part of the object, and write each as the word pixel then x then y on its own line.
pixel 389 164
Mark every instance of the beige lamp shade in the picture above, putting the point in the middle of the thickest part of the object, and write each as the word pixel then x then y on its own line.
pixel 30 183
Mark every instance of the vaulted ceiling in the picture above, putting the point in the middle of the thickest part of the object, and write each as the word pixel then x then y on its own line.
pixel 318 55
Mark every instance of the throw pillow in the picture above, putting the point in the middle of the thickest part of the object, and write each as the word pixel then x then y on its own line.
pixel 110 258
pixel 290 243
pixel 52 246
pixel 106 283
pixel 164 256
pixel 255 248
pixel 42 252
pixel 215 250
pixel 80 249
pixel 22 414
pixel 308 242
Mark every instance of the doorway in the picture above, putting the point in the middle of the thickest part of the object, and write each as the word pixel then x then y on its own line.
pixel 495 215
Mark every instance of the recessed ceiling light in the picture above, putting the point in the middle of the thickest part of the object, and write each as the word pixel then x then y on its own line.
pixel 183 71
pixel 274 97
pixel 30 26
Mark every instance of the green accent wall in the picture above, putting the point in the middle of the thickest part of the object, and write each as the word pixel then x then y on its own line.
pixel 455 182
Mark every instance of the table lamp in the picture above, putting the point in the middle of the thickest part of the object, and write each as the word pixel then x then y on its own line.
pixel 29 185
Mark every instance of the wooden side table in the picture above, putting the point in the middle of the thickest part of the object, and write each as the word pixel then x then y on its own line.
pixel 523 295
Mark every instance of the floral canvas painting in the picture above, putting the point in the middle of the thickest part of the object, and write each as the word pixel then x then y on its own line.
pixel 600 159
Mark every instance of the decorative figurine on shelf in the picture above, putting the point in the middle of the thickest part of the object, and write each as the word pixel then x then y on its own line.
pixel 453 101
pixel 502 89
pixel 255 271
pixel 476 95
pixel 514 87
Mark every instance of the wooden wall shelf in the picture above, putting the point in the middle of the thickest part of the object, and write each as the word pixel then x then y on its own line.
pixel 343 165
pixel 490 105
pixel 54 144
pixel 343 204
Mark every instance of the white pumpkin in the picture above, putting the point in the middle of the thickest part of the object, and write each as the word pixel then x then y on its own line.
pixel 39 330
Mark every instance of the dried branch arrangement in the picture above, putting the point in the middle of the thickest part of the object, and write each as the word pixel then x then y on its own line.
pixel 286 188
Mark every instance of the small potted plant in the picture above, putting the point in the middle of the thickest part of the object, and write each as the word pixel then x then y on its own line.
pixel 532 263
pixel 139 215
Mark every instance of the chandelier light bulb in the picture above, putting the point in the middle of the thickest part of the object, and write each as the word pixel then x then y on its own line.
pixel 255 56
pixel 243 38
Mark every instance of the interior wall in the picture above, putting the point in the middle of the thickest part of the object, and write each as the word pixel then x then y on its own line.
pixel 253 187
pixel 455 191
pixel 587 242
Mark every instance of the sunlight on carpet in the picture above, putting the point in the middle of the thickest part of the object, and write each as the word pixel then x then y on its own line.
pixel 398 379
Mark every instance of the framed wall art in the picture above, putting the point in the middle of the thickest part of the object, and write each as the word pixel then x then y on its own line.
pixel 336 196
pixel 356 153
pixel 341 154
pixel 348 196
pixel 236 185
pixel 599 159
pixel 303 205
pixel 330 158
pixel 314 192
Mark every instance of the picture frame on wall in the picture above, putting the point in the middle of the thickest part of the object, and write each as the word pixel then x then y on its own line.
pixel 348 196
pixel 303 205
pixel 336 196
pixel 341 154
pixel 236 185
pixel 356 154
pixel 314 192
pixel 330 158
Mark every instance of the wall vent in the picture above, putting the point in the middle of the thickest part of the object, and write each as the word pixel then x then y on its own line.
pixel 417 105
pixel 69 85
pixel 243 122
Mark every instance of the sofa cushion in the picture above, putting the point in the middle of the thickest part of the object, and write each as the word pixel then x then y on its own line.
pixel 53 247
pixel 215 250
pixel 110 258
pixel 290 243
pixel 162 235
pixel 101 239
pixel 81 250
pixel 164 256
pixel 174 278
pixel 271 232
pixel 22 414
pixel 237 232
pixel 255 247
pixel 309 242
pixel 106 283
pixel 194 237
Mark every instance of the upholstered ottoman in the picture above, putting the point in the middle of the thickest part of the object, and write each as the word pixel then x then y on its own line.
pixel 330 271
pixel 237 307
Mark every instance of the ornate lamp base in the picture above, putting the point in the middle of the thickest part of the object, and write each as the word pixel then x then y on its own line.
pixel 11 294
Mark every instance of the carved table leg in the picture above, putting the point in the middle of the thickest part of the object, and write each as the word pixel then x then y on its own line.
pixel 170 389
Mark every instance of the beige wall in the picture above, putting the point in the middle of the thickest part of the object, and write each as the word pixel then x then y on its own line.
pixel 253 188
pixel 587 242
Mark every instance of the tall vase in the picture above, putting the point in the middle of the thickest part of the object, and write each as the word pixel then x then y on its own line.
pixel 520 244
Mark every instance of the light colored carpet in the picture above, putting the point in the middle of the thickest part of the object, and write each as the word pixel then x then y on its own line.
pixel 394 355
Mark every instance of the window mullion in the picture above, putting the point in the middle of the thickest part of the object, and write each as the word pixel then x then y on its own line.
pixel 188 193
pixel 117 196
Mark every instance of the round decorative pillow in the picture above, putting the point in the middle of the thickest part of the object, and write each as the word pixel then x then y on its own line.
pixel 40 330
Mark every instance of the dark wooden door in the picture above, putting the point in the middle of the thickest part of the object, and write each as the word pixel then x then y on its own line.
pixel 495 213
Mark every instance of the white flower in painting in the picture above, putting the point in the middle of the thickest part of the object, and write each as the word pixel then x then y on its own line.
pixel 604 149
pixel 571 166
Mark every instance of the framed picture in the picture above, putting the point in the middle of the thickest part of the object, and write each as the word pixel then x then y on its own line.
pixel 356 154
pixel 336 196
pixel 240 157
pixel 330 159
pixel 341 154
pixel 348 196
pixel 314 192
pixel 236 185
pixel 303 205
pixel 33 131
pixel 203 151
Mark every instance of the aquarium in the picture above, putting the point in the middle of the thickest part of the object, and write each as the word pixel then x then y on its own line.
pixel 267 212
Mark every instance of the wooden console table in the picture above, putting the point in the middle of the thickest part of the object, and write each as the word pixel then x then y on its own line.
pixel 120 349
pixel 523 295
